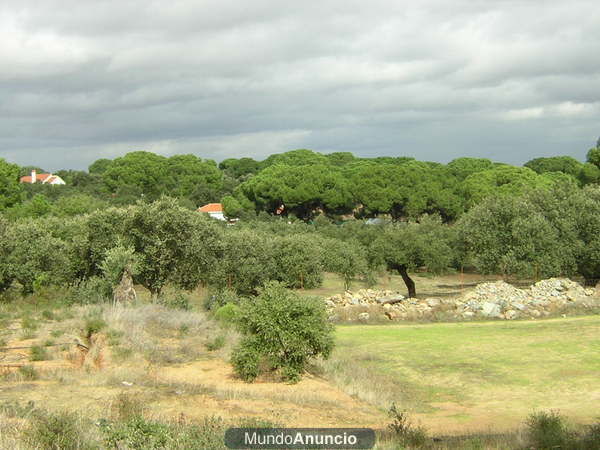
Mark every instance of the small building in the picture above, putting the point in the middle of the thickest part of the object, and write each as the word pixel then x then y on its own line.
pixel 214 210
pixel 44 178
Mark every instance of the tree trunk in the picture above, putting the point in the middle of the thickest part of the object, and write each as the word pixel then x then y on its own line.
pixel 410 284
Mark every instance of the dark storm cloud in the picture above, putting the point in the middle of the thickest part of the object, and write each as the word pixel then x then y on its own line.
pixel 436 80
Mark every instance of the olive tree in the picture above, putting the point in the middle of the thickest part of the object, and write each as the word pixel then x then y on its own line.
pixel 246 262
pixel 175 245
pixel 345 258
pixel 281 330
pixel 298 261
pixel 405 246
pixel 506 235
pixel 547 232
pixel 36 256
pixel 6 248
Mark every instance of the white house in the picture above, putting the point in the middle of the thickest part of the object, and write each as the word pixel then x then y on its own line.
pixel 214 210
pixel 44 178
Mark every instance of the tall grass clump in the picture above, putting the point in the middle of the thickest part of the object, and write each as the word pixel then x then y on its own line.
pixel 48 430
pixel 547 430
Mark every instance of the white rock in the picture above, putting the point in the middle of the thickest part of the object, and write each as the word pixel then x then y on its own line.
pixel 490 309
pixel 432 302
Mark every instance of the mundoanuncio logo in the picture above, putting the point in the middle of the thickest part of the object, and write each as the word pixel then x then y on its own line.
pixel 300 438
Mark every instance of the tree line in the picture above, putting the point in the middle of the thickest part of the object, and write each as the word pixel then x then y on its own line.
pixel 543 232
pixel 299 184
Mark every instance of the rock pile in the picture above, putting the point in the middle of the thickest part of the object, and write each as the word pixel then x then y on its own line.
pixel 364 297
pixel 495 300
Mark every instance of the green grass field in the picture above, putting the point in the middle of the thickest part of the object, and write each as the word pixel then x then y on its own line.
pixel 474 376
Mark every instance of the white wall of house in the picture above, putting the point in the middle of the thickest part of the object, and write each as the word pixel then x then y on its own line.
pixel 217 215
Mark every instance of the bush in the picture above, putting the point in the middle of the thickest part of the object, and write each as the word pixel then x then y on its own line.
pixel 92 290
pixel 220 298
pixel 178 301
pixel 126 407
pixel 298 261
pixel 28 373
pixel 38 353
pixel 546 430
pixel 282 329
pixel 54 431
pixel 246 360
pixel 93 325
pixel 216 343
pixel 591 438
pixel 48 315
pixel 404 431
pixel 140 433
pixel 227 314
pixel 117 260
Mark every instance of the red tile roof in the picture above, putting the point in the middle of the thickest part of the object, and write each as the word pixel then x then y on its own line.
pixel 38 177
pixel 211 208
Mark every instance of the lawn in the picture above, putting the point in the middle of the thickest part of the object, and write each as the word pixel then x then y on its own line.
pixel 474 376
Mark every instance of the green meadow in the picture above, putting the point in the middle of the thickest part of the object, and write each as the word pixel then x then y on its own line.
pixel 480 376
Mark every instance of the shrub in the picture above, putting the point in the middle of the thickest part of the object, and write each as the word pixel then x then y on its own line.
pixel 227 314
pixel 28 372
pixel 220 298
pixel 38 353
pixel 93 325
pixel 140 433
pixel 403 430
pixel 246 360
pixel 216 343
pixel 48 315
pixel 28 323
pixel 591 438
pixel 54 431
pixel 117 260
pixel 547 430
pixel 57 333
pixel 283 329
pixel 178 301
pixel 92 290
pixel 126 406
pixel 298 261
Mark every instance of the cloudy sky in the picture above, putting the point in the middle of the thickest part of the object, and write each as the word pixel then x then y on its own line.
pixel 507 80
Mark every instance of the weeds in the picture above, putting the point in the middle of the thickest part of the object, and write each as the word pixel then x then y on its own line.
pixel 54 431
pixel 178 301
pixel 38 353
pixel 126 407
pixel 216 344
pixel 403 430
pixel 57 333
pixel 28 373
pixel 92 326
pixel 48 315
pixel 547 430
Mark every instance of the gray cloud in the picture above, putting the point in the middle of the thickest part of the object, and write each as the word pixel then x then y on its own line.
pixel 434 79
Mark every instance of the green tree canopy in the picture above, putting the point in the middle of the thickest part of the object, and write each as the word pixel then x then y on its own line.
pixel 10 189
pixel 463 167
pixel 302 189
pixel 593 156
pixel 301 157
pixel 405 190
pixel 564 164
pixel 175 245
pixel 405 246
pixel 238 168
pixel 281 330
pixel 502 180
